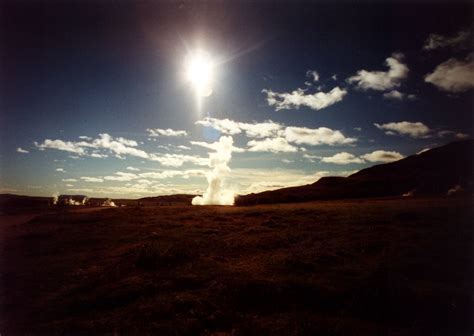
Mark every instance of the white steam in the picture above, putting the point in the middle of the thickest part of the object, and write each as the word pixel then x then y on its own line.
pixel 216 193
pixel 55 198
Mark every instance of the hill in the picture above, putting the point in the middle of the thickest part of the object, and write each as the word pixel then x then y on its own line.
pixel 433 172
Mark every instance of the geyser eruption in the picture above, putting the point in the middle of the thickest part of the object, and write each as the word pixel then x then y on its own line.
pixel 219 160
pixel 55 198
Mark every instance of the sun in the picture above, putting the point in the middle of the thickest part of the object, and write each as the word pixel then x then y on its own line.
pixel 199 71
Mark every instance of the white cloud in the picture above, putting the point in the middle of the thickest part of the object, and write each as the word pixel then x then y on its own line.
pixel 184 147
pixel 382 80
pixel 253 130
pixel 412 129
pixel 177 160
pixel 69 180
pixel 274 145
pixel 119 146
pixel 435 41
pixel 92 179
pixel 342 158
pixel 214 146
pixel 397 95
pixel 312 158
pixel 132 168
pixel 121 176
pixel 453 75
pixel 313 74
pixel 382 156
pixel 216 192
pixel 98 155
pixel 154 132
pixel 317 136
pixel 297 98
pixel 61 170
pixel 84 137
pixel 21 150
pixel 67 146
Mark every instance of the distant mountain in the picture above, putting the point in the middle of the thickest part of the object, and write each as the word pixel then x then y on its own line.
pixel 440 171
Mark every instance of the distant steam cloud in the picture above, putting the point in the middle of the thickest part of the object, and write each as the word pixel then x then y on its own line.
pixel 216 193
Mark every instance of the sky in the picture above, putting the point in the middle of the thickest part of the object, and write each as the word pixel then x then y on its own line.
pixel 100 98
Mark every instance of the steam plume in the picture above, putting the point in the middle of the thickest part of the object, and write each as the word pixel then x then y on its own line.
pixel 219 160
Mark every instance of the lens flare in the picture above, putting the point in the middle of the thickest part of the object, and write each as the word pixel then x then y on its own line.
pixel 199 72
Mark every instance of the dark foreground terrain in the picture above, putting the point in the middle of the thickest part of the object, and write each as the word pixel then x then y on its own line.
pixel 399 266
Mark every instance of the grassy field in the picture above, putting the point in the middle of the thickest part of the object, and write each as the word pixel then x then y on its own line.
pixel 362 267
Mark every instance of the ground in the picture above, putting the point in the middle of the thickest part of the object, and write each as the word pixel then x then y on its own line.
pixel 400 266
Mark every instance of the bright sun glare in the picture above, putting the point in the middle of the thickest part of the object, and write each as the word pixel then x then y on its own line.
pixel 199 72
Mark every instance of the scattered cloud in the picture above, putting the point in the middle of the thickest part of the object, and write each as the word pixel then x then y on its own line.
pixel 435 41
pixel 412 129
pixel 382 156
pixel 382 80
pixel 92 179
pixel 453 75
pixel 69 180
pixel 21 150
pixel 312 158
pixel 253 130
pixel 214 146
pixel 118 146
pixel 121 176
pixel 313 74
pixel 67 146
pixel 316 136
pixel 274 145
pixel 184 147
pixel 177 160
pixel 132 168
pixel 61 170
pixel 342 158
pixel 397 95
pixel 297 98
pixel 155 132
pixel 94 155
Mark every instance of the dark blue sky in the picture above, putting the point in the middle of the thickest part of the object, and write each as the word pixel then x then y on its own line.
pixel 88 68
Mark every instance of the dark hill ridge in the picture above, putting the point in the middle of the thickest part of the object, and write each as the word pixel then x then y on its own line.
pixel 432 172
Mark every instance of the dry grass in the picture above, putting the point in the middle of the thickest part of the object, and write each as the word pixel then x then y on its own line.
pixel 365 267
